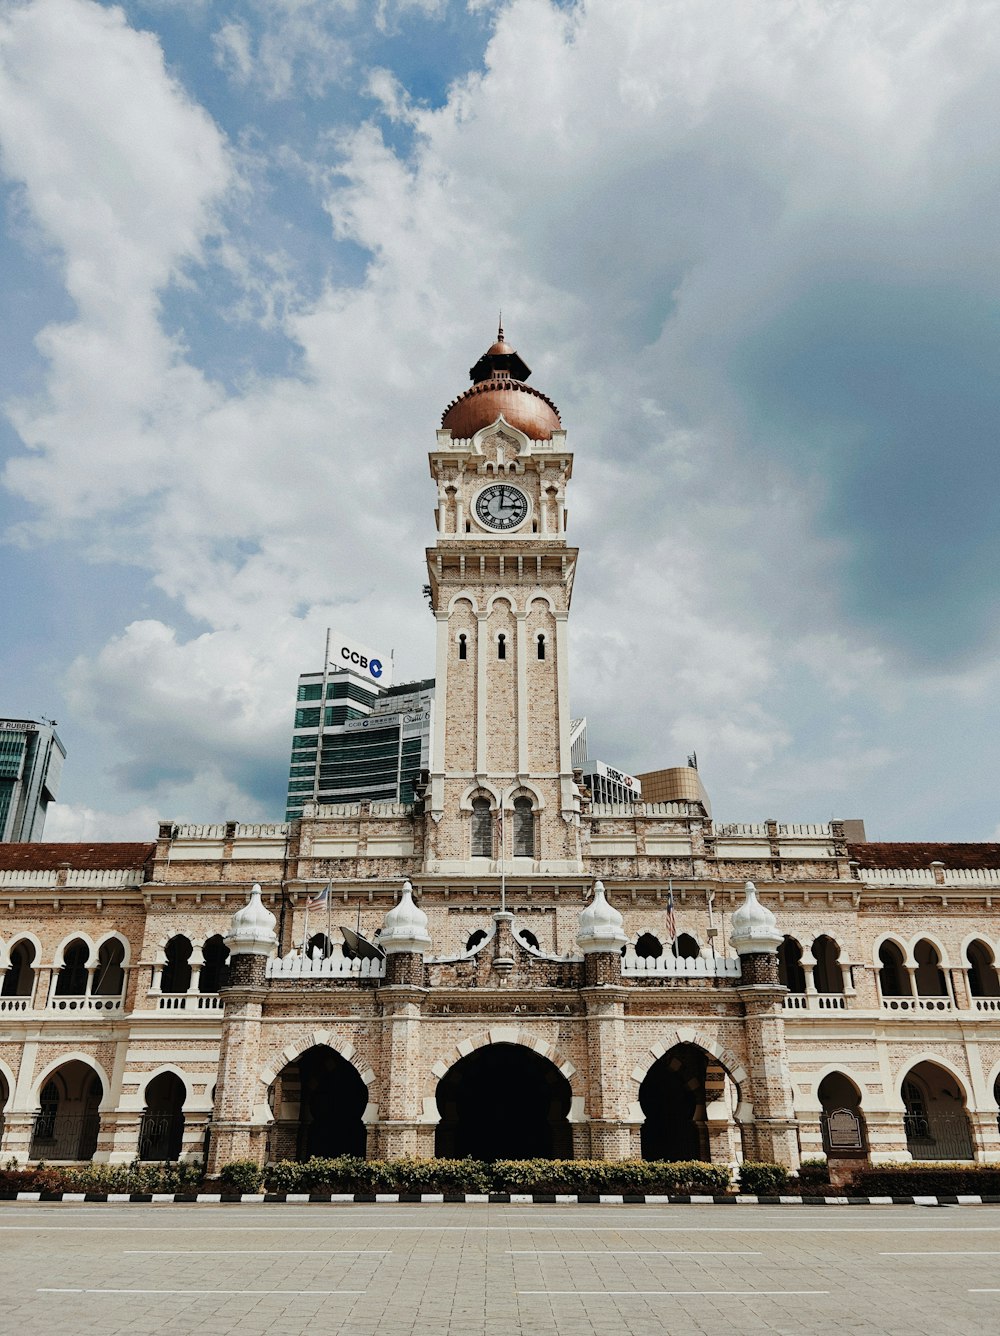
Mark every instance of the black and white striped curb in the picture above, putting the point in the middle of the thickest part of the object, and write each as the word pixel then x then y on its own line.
pixel 488 1199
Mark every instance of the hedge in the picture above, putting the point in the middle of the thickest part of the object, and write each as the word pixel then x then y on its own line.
pixel 926 1180
pixel 133 1177
pixel 349 1174
pixel 762 1177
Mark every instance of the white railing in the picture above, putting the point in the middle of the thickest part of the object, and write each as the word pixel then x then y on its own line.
pixel 133 876
pixel 822 829
pixel 738 829
pixel 924 876
pixel 815 1002
pixel 917 1004
pixel 294 966
pixel 668 809
pixel 716 967
pixel 15 1004
pixel 85 1004
pixel 986 1003
pixel 190 832
pixel 189 1002
pixel 354 809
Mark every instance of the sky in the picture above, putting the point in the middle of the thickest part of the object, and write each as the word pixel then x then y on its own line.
pixel 250 251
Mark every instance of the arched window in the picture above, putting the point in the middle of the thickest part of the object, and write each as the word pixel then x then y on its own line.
pixel 687 947
pixel 72 981
pixel 828 975
pixel 109 979
pixel 501 646
pixel 929 975
pixel 893 977
pixel 648 946
pixel 524 829
pixel 482 828
pixel 463 647
pixel 790 970
pixel 176 977
pixel 983 980
pixel 215 954
pixel 19 981
pixel 541 647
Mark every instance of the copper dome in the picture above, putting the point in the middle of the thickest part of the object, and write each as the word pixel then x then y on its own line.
pixel 498 388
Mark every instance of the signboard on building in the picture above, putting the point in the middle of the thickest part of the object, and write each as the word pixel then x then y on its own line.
pixel 614 776
pixel 416 717
pixel 17 726
pixel 350 656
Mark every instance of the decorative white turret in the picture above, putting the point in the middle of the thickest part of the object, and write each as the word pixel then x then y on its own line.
pixel 251 932
pixel 404 928
pixel 600 925
pixel 753 928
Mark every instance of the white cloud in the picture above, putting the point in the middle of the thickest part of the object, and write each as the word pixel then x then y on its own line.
pixel 640 188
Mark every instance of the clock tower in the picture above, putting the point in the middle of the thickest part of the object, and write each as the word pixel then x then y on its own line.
pixel 501 578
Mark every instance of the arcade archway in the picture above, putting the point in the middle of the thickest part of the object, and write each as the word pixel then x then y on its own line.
pixel 67 1121
pixel 504 1102
pixel 318 1102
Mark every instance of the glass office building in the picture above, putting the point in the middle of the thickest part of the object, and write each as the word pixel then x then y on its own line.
pixel 31 761
pixel 363 743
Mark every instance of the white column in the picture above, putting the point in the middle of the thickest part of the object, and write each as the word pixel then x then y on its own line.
pixel 522 694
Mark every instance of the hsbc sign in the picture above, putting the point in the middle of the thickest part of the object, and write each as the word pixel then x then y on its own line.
pixel 619 777
pixel 359 659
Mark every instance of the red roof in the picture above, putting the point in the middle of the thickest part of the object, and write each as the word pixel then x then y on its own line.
pixel 923 855
pixel 81 857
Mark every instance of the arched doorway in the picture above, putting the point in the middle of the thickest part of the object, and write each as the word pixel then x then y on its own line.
pixel 318 1102
pixel 504 1102
pixel 686 1096
pixel 67 1121
pixel 935 1121
pixel 842 1121
pixel 162 1129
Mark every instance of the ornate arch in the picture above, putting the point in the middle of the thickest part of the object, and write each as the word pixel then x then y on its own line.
pixel 7 1075
pixel 463 597
pixel 76 1055
pixel 831 1069
pixel 936 942
pixel 507 1034
pixel 58 961
pixel 729 1061
pixel 22 935
pixel 182 1076
pixel 502 596
pixel 480 788
pixel 115 937
pixel 897 941
pixel 962 1079
pixel 292 1052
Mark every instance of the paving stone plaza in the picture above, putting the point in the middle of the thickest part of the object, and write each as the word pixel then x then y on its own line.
pixel 491 1270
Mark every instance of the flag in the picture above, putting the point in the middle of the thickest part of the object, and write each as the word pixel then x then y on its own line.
pixel 319 900
pixel 671 916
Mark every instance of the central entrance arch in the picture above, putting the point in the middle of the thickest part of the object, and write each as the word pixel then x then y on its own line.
pixel 318 1103
pixel 504 1102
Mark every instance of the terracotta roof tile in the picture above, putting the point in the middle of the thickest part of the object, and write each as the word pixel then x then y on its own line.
pixel 922 855
pixel 31 857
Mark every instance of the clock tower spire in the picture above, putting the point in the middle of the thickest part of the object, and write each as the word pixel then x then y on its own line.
pixel 501 579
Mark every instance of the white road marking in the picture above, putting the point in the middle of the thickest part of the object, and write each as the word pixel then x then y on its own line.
pixel 624 1252
pixel 257 1252
pixel 508 1229
pixel 282 1294
pixel 944 1252
pixel 681 1294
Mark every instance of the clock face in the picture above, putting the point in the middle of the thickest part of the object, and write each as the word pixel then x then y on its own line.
pixel 501 506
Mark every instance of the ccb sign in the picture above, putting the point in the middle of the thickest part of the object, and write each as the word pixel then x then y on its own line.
pixel 360 660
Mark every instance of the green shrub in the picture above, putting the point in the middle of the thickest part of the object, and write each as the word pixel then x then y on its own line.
pixel 610 1177
pixel 763 1178
pixel 813 1172
pixel 926 1180
pixel 241 1176
pixel 135 1177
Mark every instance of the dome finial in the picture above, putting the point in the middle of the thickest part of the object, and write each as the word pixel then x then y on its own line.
pixel 500 337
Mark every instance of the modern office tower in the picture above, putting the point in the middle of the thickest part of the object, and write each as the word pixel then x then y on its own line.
pixel 31 759
pixel 368 743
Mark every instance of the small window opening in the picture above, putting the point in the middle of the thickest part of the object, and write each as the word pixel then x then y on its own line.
pixel 462 647
pixel 475 938
pixel 529 938
pixel 541 647
pixel 501 646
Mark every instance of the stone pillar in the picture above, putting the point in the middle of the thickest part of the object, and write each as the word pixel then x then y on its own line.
pixel 601 938
pixel 404 1127
pixel 754 935
pixel 237 1131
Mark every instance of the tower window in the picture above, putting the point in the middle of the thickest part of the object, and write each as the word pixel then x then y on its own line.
pixel 501 646
pixel 462 647
pixel 482 828
pixel 541 647
pixel 524 829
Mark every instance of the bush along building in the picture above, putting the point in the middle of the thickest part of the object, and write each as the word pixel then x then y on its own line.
pixel 500 966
